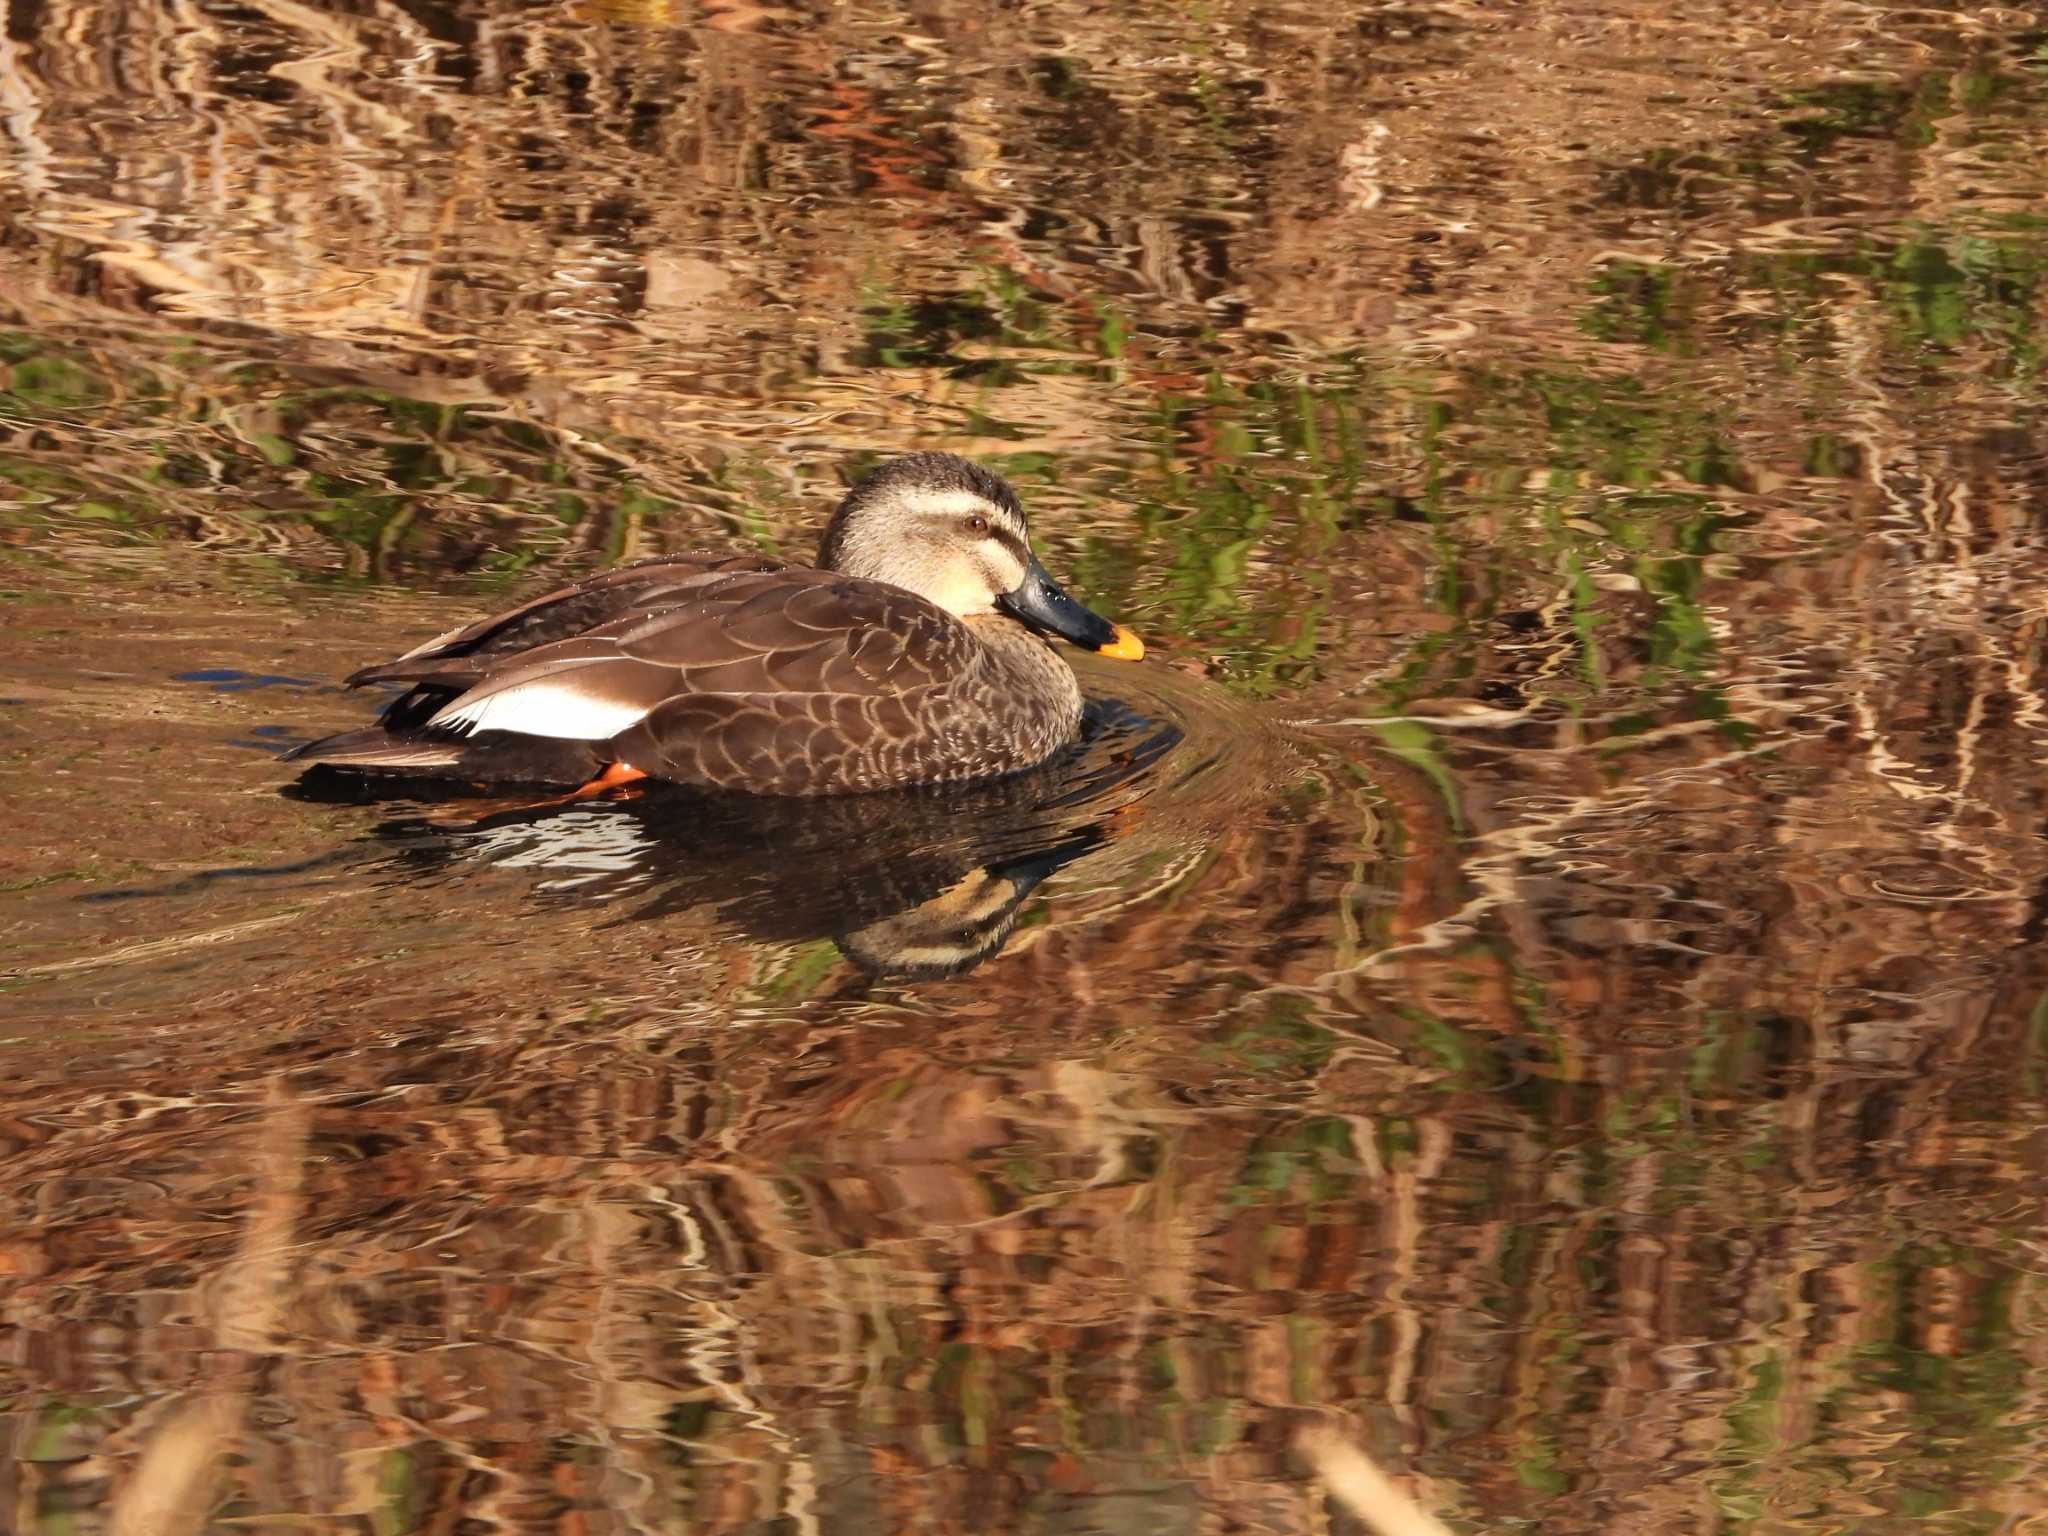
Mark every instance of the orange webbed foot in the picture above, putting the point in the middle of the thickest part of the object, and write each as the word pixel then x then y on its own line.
pixel 613 781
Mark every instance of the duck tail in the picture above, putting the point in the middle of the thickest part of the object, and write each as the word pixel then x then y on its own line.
pixel 394 744
pixel 488 757
pixel 378 750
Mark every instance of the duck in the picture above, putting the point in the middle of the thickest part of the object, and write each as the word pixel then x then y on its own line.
pixel 918 649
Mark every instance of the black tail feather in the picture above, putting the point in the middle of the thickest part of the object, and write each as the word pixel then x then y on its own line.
pixel 488 757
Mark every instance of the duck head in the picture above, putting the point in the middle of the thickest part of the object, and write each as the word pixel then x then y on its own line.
pixel 948 530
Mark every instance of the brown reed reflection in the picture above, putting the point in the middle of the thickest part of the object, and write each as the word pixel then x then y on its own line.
pixel 1563 1020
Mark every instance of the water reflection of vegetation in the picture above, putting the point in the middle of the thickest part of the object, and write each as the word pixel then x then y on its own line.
pixel 142 438
pixel 1649 464
pixel 183 446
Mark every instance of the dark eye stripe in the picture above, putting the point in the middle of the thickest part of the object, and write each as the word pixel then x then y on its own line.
pixel 998 528
pixel 1012 543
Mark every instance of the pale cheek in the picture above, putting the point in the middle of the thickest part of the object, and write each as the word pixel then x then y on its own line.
pixel 962 593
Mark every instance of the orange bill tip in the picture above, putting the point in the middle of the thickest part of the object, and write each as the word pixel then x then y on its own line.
pixel 1125 647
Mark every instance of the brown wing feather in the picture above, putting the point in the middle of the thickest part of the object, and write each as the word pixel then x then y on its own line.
pixel 741 672
pixel 778 672
pixel 792 691
pixel 464 654
pixel 795 632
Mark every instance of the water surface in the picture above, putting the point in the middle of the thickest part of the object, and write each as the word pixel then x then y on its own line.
pixel 1542 970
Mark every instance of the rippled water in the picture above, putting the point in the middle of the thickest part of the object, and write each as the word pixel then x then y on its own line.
pixel 1541 972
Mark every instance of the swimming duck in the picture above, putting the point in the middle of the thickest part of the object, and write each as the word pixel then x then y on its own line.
pixel 914 652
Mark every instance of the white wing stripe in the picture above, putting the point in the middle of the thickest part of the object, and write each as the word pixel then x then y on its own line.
pixel 547 706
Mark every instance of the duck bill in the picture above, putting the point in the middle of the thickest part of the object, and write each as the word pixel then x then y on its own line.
pixel 1041 603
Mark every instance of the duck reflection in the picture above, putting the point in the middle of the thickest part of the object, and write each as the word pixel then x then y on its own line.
pixel 922 882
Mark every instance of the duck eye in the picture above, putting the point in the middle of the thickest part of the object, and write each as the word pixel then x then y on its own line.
pixel 976 525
